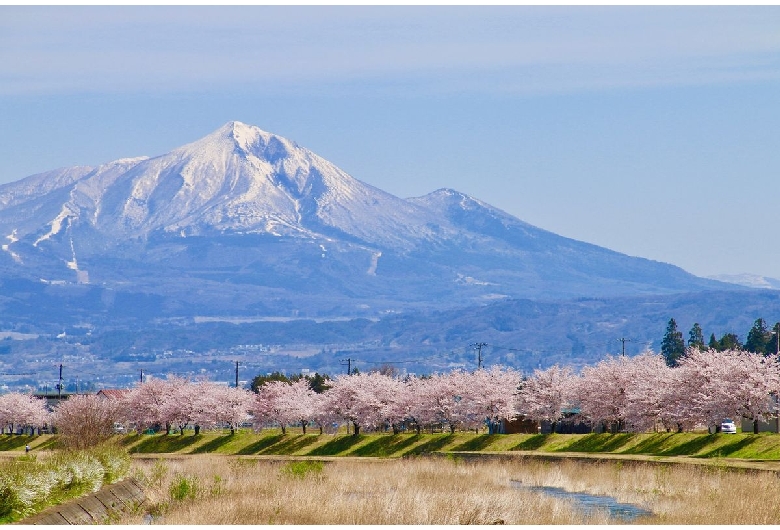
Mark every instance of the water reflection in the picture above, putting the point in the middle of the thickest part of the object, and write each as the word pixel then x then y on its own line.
pixel 588 503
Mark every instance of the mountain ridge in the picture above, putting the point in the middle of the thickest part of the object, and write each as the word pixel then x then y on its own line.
pixel 242 208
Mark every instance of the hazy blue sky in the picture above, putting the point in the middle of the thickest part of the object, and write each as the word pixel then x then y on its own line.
pixel 653 131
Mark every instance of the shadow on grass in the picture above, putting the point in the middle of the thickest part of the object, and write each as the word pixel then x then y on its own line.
pixel 290 444
pixel 432 445
pixel 51 443
pixel 531 444
pixel 259 445
pixel 690 448
pixel 598 443
pixel 477 443
pixel 212 445
pixel 652 445
pixel 729 449
pixel 164 443
pixel 386 445
pixel 9 442
pixel 336 446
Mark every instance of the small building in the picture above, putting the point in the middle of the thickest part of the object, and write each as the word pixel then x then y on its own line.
pixel 113 393
pixel 518 426
pixel 771 425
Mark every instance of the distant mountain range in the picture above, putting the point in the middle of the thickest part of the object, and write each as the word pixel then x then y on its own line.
pixel 247 222
pixel 245 238
pixel 748 280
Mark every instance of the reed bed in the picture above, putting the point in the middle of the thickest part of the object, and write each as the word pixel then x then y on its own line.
pixel 213 489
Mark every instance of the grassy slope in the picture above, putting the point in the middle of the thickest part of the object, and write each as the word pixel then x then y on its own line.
pixel 272 442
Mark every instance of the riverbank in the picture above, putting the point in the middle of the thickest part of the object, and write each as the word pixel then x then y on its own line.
pixel 468 488
pixel 740 450
pixel 271 442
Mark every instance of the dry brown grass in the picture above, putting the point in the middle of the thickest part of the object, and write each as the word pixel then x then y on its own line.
pixel 443 492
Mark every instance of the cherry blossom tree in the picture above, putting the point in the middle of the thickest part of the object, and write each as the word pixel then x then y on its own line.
pixel 182 402
pixel 601 391
pixel 145 404
pixel 649 378
pixel 24 410
pixel 409 404
pixel 85 421
pixel 300 400
pixel 445 399
pixel 321 413
pixel 493 395
pixel 366 400
pixel 546 395
pixel 229 405
pixel 729 383
pixel 272 405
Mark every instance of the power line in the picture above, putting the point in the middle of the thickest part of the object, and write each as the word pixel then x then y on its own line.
pixel 478 346
pixel 624 340
pixel 349 362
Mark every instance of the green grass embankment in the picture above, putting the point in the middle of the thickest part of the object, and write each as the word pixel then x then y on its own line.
pixel 763 446
pixel 271 442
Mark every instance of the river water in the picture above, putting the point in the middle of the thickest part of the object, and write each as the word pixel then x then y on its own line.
pixel 589 504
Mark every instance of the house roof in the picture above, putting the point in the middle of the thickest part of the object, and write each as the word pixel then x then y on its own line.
pixel 113 393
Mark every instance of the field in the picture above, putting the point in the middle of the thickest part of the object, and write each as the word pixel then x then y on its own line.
pixel 267 477
pixel 213 489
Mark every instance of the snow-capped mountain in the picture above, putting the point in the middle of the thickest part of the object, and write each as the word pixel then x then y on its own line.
pixel 748 280
pixel 238 179
pixel 244 220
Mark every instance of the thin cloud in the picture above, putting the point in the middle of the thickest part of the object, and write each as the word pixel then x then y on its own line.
pixel 489 50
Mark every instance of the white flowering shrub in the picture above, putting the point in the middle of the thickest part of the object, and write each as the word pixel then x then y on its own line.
pixel 28 485
pixel 115 462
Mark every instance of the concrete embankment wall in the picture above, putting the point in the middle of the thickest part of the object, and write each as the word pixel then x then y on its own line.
pixel 95 508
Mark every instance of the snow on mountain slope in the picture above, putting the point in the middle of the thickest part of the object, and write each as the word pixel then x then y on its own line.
pixel 243 179
pixel 748 280
pixel 237 179
pixel 240 184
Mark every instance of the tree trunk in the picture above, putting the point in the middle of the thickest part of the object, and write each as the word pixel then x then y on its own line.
pixel 755 426
pixel 168 429
pixel 284 429
pixel 303 424
pixel 197 430
pixel 356 428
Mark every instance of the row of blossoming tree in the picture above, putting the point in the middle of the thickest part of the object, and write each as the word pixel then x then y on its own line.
pixel 628 393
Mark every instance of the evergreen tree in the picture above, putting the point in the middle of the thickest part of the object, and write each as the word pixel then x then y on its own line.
pixel 729 341
pixel 260 380
pixel 319 383
pixel 714 344
pixel 673 345
pixel 696 337
pixel 758 337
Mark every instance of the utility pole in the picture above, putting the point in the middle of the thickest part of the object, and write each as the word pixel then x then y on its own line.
pixel 624 340
pixel 349 365
pixel 59 387
pixel 478 346
pixel 236 374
